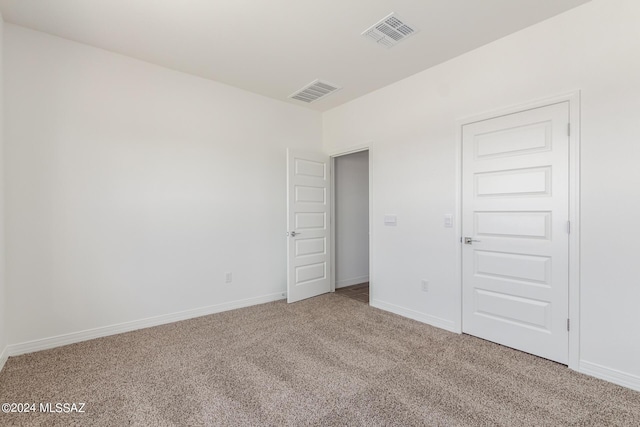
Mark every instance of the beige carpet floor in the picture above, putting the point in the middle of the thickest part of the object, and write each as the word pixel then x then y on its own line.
pixel 325 361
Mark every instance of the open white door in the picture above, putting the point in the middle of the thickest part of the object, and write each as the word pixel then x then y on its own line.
pixel 308 222
pixel 515 255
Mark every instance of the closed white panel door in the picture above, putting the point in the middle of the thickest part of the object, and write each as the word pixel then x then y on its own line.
pixel 515 211
pixel 308 224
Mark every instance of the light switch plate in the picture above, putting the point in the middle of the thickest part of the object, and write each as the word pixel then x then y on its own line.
pixel 391 220
pixel 448 220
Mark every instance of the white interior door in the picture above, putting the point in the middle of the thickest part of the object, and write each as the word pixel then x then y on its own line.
pixel 308 222
pixel 515 256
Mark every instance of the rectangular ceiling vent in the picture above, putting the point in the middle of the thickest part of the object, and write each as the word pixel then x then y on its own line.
pixel 313 91
pixel 389 31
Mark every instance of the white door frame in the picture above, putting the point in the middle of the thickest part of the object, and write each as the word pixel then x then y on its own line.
pixel 574 208
pixel 332 165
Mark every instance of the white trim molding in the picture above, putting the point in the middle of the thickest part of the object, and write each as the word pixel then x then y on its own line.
pixel 415 315
pixel 3 357
pixel 89 334
pixel 351 281
pixel 612 375
pixel 332 158
pixel 351 150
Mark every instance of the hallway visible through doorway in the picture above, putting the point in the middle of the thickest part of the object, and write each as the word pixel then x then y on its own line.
pixel 359 292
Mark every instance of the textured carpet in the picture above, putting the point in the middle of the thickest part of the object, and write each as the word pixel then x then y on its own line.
pixel 325 361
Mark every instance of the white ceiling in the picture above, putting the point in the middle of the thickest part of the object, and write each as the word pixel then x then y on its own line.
pixel 275 47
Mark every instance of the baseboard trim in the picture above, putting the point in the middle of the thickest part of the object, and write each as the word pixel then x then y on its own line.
pixel 352 281
pixel 608 374
pixel 75 337
pixel 438 322
pixel 3 357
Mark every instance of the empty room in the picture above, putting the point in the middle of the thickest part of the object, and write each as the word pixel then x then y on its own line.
pixel 363 212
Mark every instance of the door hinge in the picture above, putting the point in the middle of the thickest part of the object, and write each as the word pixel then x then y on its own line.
pixel 568 129
pixel 568 325
pixel 568 227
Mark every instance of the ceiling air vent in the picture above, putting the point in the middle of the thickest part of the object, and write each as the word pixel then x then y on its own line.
pixel 389 31
pixel 313 91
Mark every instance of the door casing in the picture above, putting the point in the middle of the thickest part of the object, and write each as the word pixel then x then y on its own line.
pixel 332 162
pixel 574 205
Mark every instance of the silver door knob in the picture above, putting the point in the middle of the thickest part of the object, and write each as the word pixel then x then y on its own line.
pixel 294 234
pixel 470 240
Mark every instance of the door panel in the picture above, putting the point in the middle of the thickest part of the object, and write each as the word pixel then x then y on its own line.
pixel 515 201
pixel 514 141
pixel 508 308
pixel 513 267
pixel 532 225
pixel 308 225
pixel 306 247
pixel 515 182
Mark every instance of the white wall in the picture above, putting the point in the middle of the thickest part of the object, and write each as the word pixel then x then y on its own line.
pixel 593 48
pixel 131 189
pixel 3 304
pixel 351 175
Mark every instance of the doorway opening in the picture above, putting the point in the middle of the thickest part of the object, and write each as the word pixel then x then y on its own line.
pixel 351 225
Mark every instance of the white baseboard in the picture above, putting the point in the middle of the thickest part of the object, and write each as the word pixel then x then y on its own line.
pixel 3 357
pixel 612 375
pixel 438 322
pixel 352 281
pixel 75 337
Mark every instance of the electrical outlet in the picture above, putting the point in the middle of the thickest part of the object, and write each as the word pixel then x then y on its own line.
pixel 228 278
pixel 425 286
